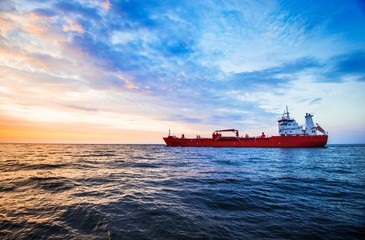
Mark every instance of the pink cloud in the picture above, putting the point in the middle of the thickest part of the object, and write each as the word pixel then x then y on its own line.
pixel 72 27
pixel 106 5
pixel 5 24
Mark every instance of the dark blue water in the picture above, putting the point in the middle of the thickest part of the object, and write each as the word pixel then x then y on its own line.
pixel 154 192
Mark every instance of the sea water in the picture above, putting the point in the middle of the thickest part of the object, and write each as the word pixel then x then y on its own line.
pixel 155 192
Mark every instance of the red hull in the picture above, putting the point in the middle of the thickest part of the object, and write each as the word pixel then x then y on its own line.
pixel 301 141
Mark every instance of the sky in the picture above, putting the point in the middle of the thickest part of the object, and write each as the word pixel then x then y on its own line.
pixel 128 71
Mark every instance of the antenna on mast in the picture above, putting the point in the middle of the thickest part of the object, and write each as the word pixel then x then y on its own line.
pixel 286 112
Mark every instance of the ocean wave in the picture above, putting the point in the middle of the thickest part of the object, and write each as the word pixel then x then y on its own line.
pixel 86 221
pixel 153 192
pixel 51 184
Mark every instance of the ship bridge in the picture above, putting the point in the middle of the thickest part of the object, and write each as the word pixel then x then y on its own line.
pixel 288 126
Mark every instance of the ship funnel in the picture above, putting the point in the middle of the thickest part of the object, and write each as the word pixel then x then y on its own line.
pixel 310 128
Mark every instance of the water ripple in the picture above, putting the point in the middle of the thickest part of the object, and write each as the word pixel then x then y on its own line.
pixel 154 192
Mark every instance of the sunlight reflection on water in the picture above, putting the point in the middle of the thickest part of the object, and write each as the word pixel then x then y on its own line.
pixel 149 191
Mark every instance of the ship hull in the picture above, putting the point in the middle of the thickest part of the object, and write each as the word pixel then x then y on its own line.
pixel 301 141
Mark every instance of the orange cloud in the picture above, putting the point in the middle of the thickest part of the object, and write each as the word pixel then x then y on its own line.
pixel 106 5
pixel 5 24
pixel 72 27
pixel 35 15
pixel 34 29
pixel 25 61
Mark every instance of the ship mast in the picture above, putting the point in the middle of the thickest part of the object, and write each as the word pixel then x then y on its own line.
pixel 287 112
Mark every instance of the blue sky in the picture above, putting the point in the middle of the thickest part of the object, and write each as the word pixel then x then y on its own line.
pixel 138 67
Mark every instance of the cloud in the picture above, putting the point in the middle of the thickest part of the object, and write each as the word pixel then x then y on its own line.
pixel 184 118
pixel 193 63
pixel 345 66
pixel 274 76
pixel 73 26
pixel 83 108
pixel 43 12
pixel 6 5
pixel 5 24
pixel 78 9
pixel 352 64
pixel 315 101
pixel 106 5
pixel 334 69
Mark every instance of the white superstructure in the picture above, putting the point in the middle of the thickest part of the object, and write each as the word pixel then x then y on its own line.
pixel 289 127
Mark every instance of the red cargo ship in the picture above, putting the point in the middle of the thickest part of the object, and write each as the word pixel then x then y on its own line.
pixel 291 135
